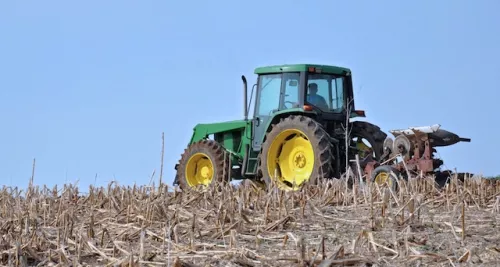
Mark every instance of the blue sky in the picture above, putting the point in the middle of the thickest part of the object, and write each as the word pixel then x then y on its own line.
pixel 87 88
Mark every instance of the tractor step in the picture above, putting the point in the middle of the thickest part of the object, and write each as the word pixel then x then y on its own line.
pixel 251 162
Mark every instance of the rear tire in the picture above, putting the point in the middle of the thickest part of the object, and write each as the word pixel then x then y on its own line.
pixel 372 134
pixel 201 164
pixel 299 148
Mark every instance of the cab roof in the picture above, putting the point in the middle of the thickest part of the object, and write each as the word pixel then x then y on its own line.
pixel 301 67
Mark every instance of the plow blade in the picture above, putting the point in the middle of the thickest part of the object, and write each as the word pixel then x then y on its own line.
pixel 437 137
pixel 415 146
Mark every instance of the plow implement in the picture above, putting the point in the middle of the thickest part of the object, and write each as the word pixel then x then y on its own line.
pixel 412 151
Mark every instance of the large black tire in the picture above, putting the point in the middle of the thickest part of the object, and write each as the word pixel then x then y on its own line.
pixel 213 154
pixel 321 152
pixel 372 133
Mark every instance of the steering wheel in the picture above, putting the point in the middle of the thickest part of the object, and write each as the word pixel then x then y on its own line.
pixel 292 103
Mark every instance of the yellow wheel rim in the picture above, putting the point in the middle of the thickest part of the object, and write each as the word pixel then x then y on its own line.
pixel 382 178
pixel 199 170
pixel 290 159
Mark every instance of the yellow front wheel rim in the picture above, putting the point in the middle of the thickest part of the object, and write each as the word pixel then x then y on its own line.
pixel 383 178
pixel 199 170
pixel 290 159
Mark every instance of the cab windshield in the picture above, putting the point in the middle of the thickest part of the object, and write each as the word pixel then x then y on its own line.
pixel 326 92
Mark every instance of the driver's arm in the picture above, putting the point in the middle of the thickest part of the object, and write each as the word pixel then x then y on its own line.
pixel 323 102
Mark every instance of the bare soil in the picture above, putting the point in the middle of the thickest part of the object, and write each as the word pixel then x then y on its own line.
pixel 325 225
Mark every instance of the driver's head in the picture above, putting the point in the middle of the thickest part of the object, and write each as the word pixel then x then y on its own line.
pixel 313 88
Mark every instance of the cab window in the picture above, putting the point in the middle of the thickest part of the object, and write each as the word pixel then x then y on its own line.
pixel 269 94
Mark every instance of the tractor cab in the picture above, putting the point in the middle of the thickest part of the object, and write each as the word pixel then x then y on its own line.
pixel 323 90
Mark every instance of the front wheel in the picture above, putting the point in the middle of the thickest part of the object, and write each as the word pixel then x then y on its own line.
pixel 296 151
pixel 202 164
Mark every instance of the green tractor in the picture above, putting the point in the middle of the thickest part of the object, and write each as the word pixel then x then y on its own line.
pixel 297 134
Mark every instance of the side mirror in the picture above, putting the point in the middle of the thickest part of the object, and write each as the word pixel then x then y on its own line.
pixel 293 83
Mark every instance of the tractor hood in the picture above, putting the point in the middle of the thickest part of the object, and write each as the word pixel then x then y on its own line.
pixel 203 130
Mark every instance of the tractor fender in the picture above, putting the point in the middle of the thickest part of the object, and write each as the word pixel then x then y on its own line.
pixel 285 113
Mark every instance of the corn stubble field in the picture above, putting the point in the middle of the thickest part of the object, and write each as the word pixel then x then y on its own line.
pixel 326 225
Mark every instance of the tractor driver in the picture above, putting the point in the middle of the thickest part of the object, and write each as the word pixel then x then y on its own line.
pixel 314 98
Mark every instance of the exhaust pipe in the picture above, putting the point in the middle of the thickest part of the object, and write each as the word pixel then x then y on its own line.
pixel 245 97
